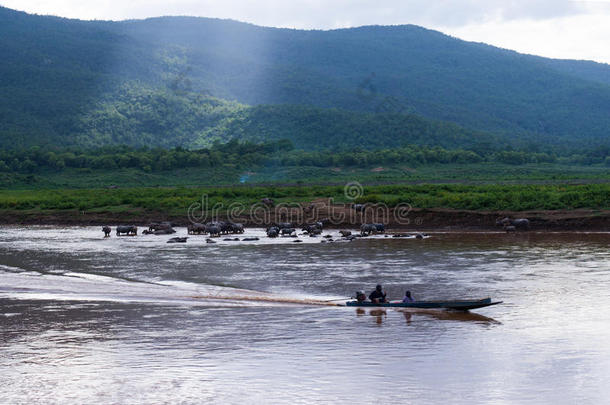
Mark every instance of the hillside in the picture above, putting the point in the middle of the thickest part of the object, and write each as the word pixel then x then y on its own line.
pixel 65 83
pixel 142 116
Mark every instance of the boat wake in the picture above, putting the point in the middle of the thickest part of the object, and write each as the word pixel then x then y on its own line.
pixel 71 286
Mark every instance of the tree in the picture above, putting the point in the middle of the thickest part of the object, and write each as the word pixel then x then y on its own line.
pixel 28 166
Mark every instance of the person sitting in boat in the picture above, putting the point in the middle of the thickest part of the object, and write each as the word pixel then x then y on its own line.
pixel 378 296
pixel 360 296
pixel 408 297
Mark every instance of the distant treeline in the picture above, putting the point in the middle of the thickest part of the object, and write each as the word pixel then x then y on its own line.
pixel 245 155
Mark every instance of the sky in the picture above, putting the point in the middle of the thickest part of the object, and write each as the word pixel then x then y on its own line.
pixel 553 28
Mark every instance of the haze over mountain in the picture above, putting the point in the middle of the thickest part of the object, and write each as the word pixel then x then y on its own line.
pixel 188 81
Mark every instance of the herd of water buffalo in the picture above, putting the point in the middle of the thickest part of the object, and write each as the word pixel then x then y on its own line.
pixel 215 228
pixel 218 228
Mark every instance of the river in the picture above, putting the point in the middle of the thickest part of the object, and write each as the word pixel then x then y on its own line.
pixel 84 319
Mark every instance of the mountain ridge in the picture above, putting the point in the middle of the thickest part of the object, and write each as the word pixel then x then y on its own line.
pixel 57 70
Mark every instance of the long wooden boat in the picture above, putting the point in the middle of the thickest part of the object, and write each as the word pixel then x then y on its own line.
pixel 462 305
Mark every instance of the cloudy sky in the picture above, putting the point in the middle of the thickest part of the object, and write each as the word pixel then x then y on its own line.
pixel 554 28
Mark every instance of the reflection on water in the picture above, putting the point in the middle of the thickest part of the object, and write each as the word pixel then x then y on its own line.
pixel 415 314
pixel 460 316
pixel 133 320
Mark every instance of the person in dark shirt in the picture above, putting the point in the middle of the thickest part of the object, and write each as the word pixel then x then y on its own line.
pixel 378 296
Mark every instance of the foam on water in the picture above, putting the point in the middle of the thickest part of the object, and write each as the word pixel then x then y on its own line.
pixel 71 286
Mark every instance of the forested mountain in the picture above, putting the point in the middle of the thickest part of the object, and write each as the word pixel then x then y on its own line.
pixel 583 69
pixel 141 116
pixel 187 81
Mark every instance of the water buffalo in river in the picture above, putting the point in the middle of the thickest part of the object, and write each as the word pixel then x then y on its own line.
pixel 156 226
pixel 518 223
pixel 315 228
pixel 164 231
pixel 213 229
pixel 178 240
pixel 273 231
pixel 345 234
pixel 237 227
pixel 231 227
pixel 106 230
pixel 287 231
pixel 367 229
pixel 380 228
pixel 129 230
pixel 225 227
pixel 195 228
pixel 324 221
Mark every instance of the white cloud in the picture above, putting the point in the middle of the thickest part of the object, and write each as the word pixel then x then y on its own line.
pixel 557 28
pixel 316 13
pixel 573 37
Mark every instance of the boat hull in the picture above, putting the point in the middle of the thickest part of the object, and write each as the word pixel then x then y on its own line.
pixel 462 305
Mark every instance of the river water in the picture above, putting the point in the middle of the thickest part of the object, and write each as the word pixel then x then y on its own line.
pixel 129 320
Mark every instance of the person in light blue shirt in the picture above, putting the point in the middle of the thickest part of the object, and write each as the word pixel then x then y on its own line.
pixel 408 297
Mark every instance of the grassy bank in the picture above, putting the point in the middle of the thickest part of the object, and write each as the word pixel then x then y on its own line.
pixel 176 200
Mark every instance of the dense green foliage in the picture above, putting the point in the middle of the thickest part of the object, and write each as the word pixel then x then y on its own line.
pixel 278 163
pixel 473 173
pixel 164 82
pixel 177 200
pixel 137 116
pixel 248 155
pixel 312 128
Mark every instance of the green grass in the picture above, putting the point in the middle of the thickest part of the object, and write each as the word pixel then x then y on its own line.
pixel 494 197
pixel 482 186
pixel 480 173
pixel 177 200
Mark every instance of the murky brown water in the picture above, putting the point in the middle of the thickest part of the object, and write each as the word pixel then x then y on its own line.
pixel 90 320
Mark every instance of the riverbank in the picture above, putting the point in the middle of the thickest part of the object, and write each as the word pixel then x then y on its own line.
pixel 338 217
pixel 425 207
